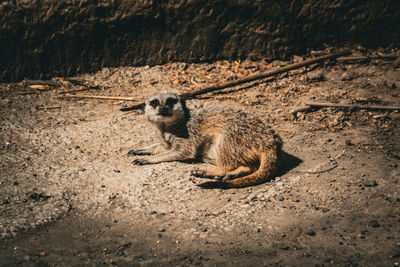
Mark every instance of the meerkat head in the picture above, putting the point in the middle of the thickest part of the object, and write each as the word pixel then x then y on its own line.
pixel 166 108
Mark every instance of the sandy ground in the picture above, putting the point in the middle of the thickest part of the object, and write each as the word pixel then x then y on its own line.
pixel 69 194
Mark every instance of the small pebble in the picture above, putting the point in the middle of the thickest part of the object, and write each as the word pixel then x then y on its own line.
pixel 396 256
pixel 310 233
pixel 371 183
pixel 374 224
pixel 338 234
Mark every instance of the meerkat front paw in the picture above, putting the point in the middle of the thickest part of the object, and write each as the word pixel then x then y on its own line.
pixel 198 173
pixel 202 174
pixel 138 152
pixel 140 162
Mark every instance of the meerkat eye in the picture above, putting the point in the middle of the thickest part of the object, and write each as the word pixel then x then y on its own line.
pixel 171 101
pixel 154 103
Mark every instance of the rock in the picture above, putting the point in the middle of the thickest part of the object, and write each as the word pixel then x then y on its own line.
pixel 395 115
pixel 374 224
pixel 310 233
pixel 363 232
pixel 370 183
pixel 314 207
pixel 338 234
pixel 251 197
pixel 316 75
pixel 395 256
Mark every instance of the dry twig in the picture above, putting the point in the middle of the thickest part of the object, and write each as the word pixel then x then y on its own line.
pixel 126 98
pixel 50 107
pixel 351 106
pixel 76 82
pixel 367 58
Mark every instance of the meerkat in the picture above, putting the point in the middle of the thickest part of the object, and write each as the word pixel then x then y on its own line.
pixel 244 150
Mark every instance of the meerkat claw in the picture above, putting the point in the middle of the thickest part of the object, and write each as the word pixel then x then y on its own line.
pixel 140 162
pixel 138 152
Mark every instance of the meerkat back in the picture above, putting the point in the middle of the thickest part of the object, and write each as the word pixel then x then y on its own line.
pixel 245 150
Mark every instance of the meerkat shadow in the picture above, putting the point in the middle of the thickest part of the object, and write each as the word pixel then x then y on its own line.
pixel 289 162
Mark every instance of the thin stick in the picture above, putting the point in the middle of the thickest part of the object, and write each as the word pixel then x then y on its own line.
pixel 45 108
pixel 350 106
pixel 346 59
pixel 367 58
pixel 76 82
pixel 251 78
pixel 126 98
pixel 76 90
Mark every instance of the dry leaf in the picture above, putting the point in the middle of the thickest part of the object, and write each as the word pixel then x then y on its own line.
pixel 40 86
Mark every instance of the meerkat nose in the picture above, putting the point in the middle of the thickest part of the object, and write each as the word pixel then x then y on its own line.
pixel 163 109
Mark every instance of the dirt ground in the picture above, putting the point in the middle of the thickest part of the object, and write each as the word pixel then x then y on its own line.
pixel 69 194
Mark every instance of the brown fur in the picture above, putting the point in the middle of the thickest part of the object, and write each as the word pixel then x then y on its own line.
pixel 243 148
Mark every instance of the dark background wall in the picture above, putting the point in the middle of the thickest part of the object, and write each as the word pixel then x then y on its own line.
pixel 46 38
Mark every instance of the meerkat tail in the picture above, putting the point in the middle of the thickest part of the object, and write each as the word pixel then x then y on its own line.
pixel 269 164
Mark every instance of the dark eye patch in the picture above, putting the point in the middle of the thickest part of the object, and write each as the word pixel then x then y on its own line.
pixel 154 103
pixel 171 101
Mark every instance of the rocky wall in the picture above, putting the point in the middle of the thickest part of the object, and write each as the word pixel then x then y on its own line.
pixel 46 38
